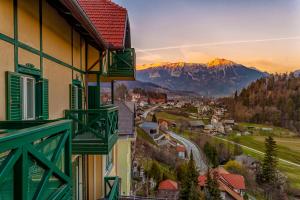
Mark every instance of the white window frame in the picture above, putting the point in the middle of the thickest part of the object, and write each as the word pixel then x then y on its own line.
pixel 24 80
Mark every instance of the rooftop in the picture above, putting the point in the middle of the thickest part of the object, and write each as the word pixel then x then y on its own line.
pixel 109 19
pixel 168 185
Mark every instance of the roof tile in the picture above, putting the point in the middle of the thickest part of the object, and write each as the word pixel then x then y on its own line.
pixel 108 18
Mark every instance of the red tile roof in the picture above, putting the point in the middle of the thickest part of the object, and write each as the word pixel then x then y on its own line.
pixel 180 148
pixel 109 19
pixel 202 180
pixel 168 185
pixel 235 180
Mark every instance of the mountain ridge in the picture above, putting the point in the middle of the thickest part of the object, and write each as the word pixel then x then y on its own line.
pixel 219 77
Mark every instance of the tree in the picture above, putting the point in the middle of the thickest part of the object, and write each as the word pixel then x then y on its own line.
pixel 237 150
pixel 212 186
pixel 154 119
pixel 211 154
pixel 270 162
pixel 190 181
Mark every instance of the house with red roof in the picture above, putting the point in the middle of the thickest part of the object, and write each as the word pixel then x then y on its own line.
pixel 168 189
pixel 232 186
pixel 181 151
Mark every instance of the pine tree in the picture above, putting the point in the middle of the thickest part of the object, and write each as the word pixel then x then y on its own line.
pixel 270 161
pixel 190 181
pixel 212 186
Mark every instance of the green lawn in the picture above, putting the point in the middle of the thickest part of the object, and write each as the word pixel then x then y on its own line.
pixel 291 171
pixel 277 131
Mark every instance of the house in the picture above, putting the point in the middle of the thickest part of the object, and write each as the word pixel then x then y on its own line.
pixel 153 100
pixel 197 125
pixel 127 136
pixel 181 151
pixel 151 128
pixel 163 124
pixel 249 162
pixel 168 190
pixel 60 142
pixel 232 186
pixel 228 122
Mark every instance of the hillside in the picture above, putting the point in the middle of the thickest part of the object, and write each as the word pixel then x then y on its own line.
pixel 272 100
pixel 220 77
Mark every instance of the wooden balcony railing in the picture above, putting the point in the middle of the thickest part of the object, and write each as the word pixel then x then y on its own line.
pixel 35 160
pixel 112 188
pixel 95 131
pixel 122 64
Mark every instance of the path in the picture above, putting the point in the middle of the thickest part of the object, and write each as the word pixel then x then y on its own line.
pixel 198 156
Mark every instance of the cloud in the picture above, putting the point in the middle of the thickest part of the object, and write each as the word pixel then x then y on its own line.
pixel 218 44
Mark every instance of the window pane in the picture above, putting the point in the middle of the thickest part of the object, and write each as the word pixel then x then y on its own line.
pixel 30 98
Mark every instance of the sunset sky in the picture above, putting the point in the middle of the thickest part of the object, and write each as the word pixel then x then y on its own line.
pixel 261 33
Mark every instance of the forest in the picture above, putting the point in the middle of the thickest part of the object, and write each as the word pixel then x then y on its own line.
pixel 273 100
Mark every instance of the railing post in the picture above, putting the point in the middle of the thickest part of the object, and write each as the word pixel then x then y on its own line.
pixel 21 176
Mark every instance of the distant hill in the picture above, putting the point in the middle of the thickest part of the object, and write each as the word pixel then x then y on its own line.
pixel 220 77
pixel 272 100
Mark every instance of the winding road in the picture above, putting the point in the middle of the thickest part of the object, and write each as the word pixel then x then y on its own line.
pixel 190 146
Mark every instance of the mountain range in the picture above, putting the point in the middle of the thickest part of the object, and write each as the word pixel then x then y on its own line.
pixel 219 77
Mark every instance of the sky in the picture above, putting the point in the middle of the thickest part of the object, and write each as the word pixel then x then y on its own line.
pixel 257 33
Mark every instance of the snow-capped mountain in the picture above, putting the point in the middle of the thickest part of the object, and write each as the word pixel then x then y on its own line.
pixel 220 77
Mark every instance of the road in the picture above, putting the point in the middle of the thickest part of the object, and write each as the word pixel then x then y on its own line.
pixel 256 151
pixel 198 155
pixel 144 115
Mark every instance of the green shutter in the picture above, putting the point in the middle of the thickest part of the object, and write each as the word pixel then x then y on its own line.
pixel 80 93
pixel 72 96
pixel 14 96
pixel 45 105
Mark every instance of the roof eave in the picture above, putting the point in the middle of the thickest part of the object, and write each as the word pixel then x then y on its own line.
pixel 81 16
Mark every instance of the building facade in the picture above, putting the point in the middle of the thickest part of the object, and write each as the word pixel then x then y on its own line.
pixel 56 138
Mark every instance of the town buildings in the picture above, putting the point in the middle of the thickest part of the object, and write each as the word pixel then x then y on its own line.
pixel 57 140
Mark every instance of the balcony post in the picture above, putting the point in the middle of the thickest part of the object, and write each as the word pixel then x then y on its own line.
pixel 112 92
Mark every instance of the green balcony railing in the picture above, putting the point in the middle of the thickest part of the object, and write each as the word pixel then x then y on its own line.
pixel 35 160
pixel 122 64
pixel 95 131
pixel 112 188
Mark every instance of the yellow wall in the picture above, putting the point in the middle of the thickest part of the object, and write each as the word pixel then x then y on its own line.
pixel 93 56
pixel 6 17
pixel 6 64
pixel 124 164
pixel 95 176
pixel 76 50
pixel 56 35
pixel 28 57
pixel 28 22
pixel 60 79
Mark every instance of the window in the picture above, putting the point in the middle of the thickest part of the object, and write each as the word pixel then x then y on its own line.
pixel 109 161
pixel 28 98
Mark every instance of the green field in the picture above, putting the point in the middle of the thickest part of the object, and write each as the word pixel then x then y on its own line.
pixel 286 152
pixel 277 131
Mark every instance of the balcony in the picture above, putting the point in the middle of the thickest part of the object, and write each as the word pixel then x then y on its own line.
pixel 112 188
pixel 95 131
pixel 35 160
pixel 118 65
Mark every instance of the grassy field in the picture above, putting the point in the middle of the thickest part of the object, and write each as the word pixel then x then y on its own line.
pixel 277 131
pixel 291 171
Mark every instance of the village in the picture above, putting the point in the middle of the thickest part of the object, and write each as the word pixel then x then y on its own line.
pixel 204 118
